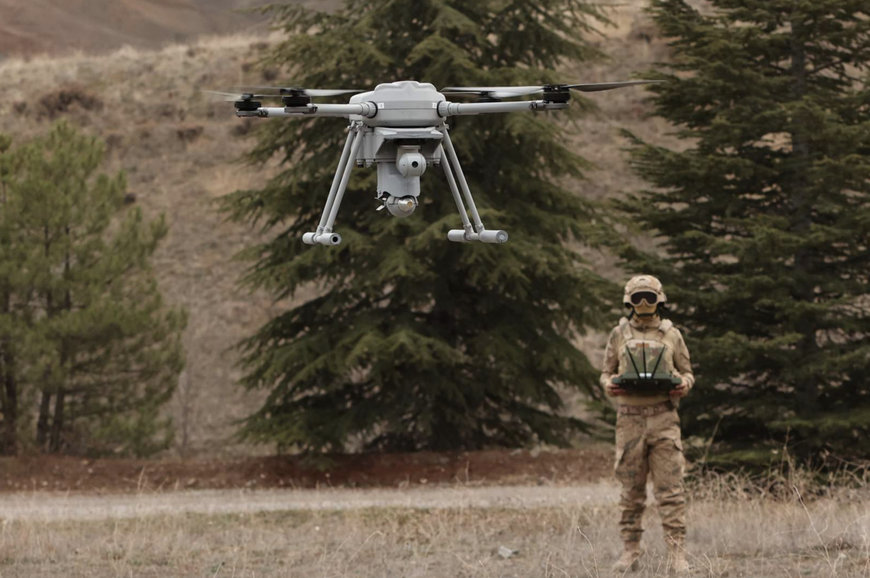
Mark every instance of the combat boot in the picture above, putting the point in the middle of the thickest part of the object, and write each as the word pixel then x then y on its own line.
pixel 628 562
pixel 677 563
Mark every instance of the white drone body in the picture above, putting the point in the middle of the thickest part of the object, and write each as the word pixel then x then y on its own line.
pixel 402 128
pixel 402 139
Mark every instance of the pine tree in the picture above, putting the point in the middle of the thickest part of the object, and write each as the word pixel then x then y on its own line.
pixel 102 351
pixel 414 342
pixel 10 325
pixel 765 218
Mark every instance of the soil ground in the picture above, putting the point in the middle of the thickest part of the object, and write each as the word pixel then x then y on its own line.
pixel 490 467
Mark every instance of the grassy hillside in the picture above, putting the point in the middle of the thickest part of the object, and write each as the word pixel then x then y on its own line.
pixel 49 26
pixel 96 26
pixel 181 152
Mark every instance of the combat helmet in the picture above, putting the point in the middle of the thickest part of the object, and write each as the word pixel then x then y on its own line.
pixel 644 284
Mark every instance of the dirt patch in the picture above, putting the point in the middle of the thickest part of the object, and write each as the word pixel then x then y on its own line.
pixel 492 467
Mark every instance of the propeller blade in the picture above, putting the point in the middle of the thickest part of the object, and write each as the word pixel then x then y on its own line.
pixel 232 96
pixel 331 91
pixel 220 95
pixel 477 89
pixel 599 86
pixel 509 91
pixel 282 90
pixel 494 92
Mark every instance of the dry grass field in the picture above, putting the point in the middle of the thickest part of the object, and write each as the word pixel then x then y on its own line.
pixel 181 152
pixel 366 535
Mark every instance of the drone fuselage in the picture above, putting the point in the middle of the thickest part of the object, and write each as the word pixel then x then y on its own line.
pixel 407 103
pixel 403 139
pixel 402 155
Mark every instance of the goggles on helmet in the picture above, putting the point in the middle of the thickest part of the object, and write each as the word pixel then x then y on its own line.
pixel 648 296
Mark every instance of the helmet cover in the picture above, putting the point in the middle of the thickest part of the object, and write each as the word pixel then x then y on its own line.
pixel 640 283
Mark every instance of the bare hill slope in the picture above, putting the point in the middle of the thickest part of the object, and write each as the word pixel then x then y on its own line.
pixel 30 27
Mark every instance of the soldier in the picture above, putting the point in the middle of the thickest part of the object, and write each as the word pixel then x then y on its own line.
pixel 647 425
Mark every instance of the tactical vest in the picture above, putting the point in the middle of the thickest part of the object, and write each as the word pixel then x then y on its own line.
pixel 645 354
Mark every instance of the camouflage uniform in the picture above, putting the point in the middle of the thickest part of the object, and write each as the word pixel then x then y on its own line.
pixel 648 428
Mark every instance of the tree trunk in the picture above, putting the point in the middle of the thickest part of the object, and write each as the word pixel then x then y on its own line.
pixel 801 219
pixel 9 408
pixel 42 421
pixel 57 422
pixel 9 444
pixel 58 417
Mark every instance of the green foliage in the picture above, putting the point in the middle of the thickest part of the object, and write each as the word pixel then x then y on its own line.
pixel 12 330
pixel 83 318
pixel 415 342
pixel 765 219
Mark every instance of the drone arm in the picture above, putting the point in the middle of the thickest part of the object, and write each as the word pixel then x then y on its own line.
pixel 366 109
pixel 446 108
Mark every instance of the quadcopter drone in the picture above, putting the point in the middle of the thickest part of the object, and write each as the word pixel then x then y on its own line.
pixel 402 128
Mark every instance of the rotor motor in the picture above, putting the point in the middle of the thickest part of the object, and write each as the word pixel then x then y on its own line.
pixel 294 97
pixel 556 94
pixel 247 103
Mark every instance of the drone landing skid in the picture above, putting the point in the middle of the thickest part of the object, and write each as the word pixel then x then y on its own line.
pixel 473 228
pixel 470 231
pixel 324 234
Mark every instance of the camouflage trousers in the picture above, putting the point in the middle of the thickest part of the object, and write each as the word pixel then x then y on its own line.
pixel 650 446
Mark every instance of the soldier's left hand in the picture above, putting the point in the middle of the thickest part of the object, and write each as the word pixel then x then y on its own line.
pixel 680 390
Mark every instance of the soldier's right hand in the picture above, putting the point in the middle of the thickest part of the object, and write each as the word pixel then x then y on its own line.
pixel 613 389
pixel 680 390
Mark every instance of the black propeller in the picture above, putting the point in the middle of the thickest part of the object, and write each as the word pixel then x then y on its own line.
pixel 247 99
pixel 493 92
pixel 298 96
pixel 244 101
pixel 551 92
pixel 310 92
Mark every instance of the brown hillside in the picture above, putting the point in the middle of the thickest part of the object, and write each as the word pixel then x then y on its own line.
pixel 180 152
pixel 50 26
